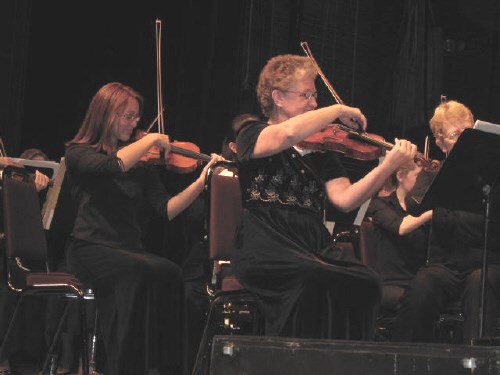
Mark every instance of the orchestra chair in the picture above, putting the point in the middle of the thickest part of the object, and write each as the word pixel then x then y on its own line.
pixel 232 309
pixel 26 261
pixel 362 241
pixel 367 249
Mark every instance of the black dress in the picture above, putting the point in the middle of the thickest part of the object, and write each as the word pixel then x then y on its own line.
pixel 284 254
pixel 139 295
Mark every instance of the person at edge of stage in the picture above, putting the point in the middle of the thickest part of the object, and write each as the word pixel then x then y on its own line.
pixel 284 255
pixel 401 240
pixel 228 148
pixel 455 255
pixel 139 295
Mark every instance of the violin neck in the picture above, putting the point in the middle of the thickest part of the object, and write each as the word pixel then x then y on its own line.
pixel 189 153
pixel 366 138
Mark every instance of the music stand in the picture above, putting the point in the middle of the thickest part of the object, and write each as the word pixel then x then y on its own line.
pixel 464 182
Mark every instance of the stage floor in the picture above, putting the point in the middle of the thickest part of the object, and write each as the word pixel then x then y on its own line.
pixel 271 356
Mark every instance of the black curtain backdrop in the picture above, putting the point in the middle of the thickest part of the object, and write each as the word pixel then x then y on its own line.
pixel 391 58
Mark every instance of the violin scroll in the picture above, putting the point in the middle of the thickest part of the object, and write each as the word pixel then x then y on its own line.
pixel 428 165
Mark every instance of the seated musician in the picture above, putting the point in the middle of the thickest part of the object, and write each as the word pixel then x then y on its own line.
pixel 139 295
pixel 283 252
pixel 455 255
pixel 401 239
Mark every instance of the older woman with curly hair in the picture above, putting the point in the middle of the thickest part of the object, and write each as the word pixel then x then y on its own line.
pixel 306 287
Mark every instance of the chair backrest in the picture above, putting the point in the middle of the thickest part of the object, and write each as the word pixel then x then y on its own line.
pixel 224 210
pixel 368 243
pixel 24 234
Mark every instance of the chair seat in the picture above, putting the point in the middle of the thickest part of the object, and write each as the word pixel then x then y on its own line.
pixel 38 279
pixel 231 284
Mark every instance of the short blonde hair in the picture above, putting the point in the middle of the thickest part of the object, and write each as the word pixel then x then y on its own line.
pixel 403 170
pixel 281 72
pixel 450 110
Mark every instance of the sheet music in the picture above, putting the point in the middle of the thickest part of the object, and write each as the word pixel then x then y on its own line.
pixel 364 207
pixel 50 203
pixel 38 164
pixel 488 127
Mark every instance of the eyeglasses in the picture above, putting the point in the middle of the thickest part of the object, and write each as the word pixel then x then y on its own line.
pixel 453 136
pixel 129 116
pixel 308 94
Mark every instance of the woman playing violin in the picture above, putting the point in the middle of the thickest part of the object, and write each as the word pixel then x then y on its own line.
pixel 139 295
pixel 284 253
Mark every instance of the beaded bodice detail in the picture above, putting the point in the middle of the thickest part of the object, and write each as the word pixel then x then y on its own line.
pixel 282 179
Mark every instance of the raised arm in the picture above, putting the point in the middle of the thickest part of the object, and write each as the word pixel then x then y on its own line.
pixel 278 137
pixel 346 196
pixel 133 152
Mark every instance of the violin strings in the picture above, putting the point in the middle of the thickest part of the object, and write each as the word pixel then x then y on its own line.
pixel 189 153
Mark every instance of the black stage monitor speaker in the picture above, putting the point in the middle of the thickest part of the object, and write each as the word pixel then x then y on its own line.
pixel 251 355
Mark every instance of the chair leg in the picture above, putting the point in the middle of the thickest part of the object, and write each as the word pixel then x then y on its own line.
pixel 220 306
pixel 92 362
pixel 201 363
pixel 83 325
pixel 55 339
pixel 9 329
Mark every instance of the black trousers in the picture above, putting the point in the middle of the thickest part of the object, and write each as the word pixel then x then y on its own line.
pixel 433 288
pixel 140 300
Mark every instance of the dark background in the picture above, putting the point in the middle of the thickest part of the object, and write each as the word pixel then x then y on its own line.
pixel 391 58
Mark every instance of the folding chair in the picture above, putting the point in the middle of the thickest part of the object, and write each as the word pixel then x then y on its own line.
pixel 25 256
pixel 233 310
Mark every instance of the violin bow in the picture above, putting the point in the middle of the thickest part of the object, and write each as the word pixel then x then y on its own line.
pixel 3 152
pixel 159 89
pixel 328 85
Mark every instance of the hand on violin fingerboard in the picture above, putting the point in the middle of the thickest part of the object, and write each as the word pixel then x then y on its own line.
pixel 353 118
pixel 403 152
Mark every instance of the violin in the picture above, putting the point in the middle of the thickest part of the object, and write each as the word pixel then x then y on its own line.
pixel 184 157
pixel 360 146
pixel 356 144
pixel 336 138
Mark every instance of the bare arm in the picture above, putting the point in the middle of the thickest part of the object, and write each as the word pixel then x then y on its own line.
pixel 181 201
pixel 278 137
pixel 133 152
pixel 410 223
pixel 346 196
